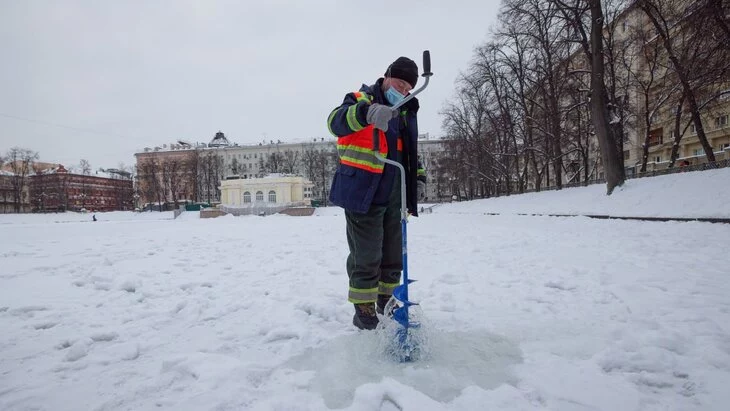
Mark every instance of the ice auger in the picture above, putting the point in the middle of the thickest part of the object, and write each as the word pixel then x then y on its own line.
pixel 406 349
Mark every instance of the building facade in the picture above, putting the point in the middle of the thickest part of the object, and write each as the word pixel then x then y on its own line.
pixel 57 190
pixel 8 202
pixel 275 191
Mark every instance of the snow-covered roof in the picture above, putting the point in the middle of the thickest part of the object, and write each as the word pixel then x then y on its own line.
pixel 219 140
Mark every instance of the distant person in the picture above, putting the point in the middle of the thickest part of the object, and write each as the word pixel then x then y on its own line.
pixel 94 217
pixel 370 191
pixel 421 182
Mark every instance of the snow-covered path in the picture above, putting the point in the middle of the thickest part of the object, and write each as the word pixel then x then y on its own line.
pixel 250 313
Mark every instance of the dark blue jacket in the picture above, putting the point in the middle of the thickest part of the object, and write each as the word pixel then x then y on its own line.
pixel 356 189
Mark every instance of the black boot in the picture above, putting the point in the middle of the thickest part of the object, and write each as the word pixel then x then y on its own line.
pixel 382 302
pixel 365 318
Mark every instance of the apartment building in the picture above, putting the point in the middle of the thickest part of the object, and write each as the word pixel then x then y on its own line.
pixel 666 132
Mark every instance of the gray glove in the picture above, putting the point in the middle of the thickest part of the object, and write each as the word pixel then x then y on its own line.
pixel 379 115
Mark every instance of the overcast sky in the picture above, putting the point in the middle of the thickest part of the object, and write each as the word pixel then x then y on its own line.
pixel 101 80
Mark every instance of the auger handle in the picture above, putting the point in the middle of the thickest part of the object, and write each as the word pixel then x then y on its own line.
pixel 427 64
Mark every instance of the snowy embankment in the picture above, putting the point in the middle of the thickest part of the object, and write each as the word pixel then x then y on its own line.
pixel 699 194
pixel 143 312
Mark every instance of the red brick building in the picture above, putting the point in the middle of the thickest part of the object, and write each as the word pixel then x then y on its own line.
pixel 56 189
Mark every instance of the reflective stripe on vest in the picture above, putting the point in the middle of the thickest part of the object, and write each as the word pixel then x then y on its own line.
pixel 356 150
pixel 362 97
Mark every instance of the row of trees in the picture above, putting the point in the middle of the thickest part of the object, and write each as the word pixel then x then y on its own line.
pixel 195 175
pixel 17 194
pixel 13 186
pixel 552 95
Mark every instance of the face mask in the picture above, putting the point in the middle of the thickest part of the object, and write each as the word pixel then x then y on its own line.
pixel 393 96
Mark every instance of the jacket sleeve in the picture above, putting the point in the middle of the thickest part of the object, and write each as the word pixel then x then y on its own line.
pixel 350 116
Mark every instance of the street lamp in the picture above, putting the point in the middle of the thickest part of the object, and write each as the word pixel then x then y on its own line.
pixel 136 201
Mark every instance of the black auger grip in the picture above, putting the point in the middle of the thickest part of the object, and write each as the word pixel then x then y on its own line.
pixel 427 63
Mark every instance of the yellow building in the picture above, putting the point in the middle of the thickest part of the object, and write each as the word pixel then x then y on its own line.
pixel 269 194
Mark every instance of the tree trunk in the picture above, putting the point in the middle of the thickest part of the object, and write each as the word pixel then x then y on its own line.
pixel 613 169
pixel 677 133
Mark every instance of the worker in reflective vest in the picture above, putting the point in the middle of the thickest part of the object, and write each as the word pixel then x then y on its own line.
pixel 369 190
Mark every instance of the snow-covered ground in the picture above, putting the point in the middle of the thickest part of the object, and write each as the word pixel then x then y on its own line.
pixel 145 312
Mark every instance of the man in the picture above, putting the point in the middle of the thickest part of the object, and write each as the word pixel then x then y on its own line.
pixel 369 190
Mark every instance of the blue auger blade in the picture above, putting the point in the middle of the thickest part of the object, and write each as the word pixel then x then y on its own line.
pixel 400 315
pixel 400 292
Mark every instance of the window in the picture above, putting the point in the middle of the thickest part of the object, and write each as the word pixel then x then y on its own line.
pixel 721 121
pixel 655 136
pixel 246 197
pixel 627 154
pixel 623 26
pixel 272 196
pixel 697 152
pixel 692 129
pixel 259 196
pixel 658 159
pixel 725 146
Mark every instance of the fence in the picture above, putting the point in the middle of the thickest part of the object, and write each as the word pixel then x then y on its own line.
pixel 259 208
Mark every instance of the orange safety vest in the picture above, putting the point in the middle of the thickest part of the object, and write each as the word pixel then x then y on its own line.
pixel 356 149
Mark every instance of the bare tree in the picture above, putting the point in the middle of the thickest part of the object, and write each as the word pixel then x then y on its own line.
pixel 210 173
pixel 85 167
pixel 21 165
pixel 191 168
pixel 290 161
pixel 173 178
pixel 648 76
pixel 693 50
pixel 586 19
pixel 150 181
pixel 272 163
pixel 601 113
pixel 235 166
pixel 319 164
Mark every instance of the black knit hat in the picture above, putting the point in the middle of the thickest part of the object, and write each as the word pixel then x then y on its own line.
pixel 404 69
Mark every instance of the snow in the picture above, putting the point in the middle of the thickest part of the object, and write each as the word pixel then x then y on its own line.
pixel 140 311
pixel 700 194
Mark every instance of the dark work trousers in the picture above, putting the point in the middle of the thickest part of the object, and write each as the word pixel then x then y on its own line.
pixel 375 239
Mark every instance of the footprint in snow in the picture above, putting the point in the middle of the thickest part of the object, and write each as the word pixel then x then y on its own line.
pixel 27 312
pixel 559 285
pixel 45 325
